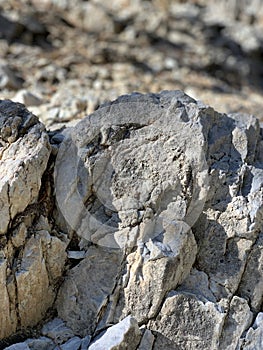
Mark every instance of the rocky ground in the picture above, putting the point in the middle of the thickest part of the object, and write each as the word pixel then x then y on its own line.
pixel 172 257
pixel 64 58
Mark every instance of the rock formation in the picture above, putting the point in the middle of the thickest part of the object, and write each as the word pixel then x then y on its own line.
pixel 139 228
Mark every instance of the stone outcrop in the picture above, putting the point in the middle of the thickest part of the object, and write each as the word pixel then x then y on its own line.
pixel 32 256
pixel 155 225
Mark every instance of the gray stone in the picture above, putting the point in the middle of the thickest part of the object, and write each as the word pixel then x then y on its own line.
pixel 124 335
pixel 42 343
pixel 163 197
pixel 147 340
pixel 27 98
pixel 188 323
pixel 32 258
pixel 72 344
pixel 20 179
pixel 238 319
pixel 84 293
pixel 8 79
pixel 254 337
pixel 18 346
pixel 57 330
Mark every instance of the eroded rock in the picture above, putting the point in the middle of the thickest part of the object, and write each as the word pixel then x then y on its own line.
pixel 124 335
pixel 165 198
pixel 32 257
pixel 188 323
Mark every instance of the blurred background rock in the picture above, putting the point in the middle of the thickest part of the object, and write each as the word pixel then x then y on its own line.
pixel 63 58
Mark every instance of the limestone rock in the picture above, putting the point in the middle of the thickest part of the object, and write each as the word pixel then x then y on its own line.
pixel 85 291
pixel 139 185
pixel 32 257
pixel 24 151
pixel 57 331
pixel 188 323
pixel 148 281
pixel 124 335
pixel 254 337
pixel 159 207
pixel 239 317
pixel 162 198
pixel 147 340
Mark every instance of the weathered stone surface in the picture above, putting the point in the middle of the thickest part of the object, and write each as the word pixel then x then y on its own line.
pixel 24 151
pixel 148 280
pixel 188 322
pixel 98 157
pixel 251 286
pixel 239 317
pixel 161 197
pixel 254 337
pixel 86 289
pixel 147 340
pixel 165 199
pixel 32 257
pixel 35 297
pixel 57 331
pixel 124 335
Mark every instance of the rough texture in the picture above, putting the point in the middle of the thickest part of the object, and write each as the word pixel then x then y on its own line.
pixel 160 199
pixel 188 323
pixel 31 258
pixel 124 335
pixel 86 289
pixel 75 55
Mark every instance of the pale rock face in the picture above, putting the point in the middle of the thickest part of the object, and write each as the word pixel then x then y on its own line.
pixel 165 198
pixel 188 323
pixel 124 335
pixel 32 259
pixel 84 293
pixel 254 336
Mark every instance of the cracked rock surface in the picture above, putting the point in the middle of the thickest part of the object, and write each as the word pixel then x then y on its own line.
pixel 141 230
pixel 32 257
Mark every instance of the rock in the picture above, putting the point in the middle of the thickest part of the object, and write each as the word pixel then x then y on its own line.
pixel 146 341
pixel 159 200
pixel 27 98
pixel 23 160
pixel 19 346
pixel 239 317
pixel 72 344
pixel 249 39
pixel 57 331
pixel 254 336
pixel 187 323
pixel 32 257
pixel 251 285
pixel 9 29
pixel 78 14
pixel 124 335
pixel 145 277
pixel 151 213
pixel 79 303
pixel 42 343
pixel 8 79
pixel 33 268
pixel 166 247
pixel 117 131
